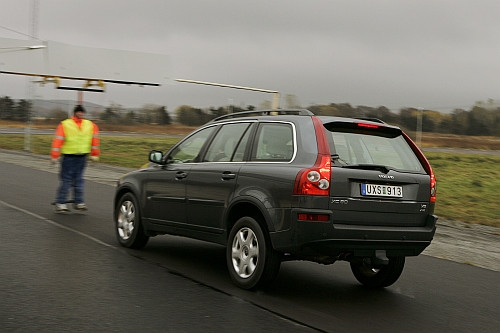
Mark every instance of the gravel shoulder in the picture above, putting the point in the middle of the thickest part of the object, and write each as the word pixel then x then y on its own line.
pixel 472 244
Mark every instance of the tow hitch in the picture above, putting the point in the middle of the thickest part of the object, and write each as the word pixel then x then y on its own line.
pixel 380 258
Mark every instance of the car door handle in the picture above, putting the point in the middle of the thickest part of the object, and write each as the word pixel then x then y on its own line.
pixel 227 175
pixel 180 175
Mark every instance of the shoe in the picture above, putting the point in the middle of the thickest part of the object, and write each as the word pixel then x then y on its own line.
pixel 61 208
pixel 80 206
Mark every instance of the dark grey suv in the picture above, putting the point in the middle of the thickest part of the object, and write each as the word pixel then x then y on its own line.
pixel 287 185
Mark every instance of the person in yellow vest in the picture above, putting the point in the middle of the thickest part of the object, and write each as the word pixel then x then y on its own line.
pixel 75 139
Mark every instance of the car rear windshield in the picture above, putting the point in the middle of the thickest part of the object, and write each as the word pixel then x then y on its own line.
pixel 353 144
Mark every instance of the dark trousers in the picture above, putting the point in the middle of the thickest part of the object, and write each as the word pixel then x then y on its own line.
pixel 71 177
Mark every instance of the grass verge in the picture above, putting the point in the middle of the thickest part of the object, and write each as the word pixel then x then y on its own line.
pixel 129 152
pixel 467 187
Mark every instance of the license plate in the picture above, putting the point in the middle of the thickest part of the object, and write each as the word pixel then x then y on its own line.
pixel 382 190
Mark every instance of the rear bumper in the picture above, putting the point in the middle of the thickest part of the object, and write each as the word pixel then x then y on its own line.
pixel 306 238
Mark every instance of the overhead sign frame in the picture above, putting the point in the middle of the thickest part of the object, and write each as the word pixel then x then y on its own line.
pixel 55 61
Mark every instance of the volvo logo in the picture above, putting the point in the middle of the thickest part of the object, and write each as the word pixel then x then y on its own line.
pixel 385 176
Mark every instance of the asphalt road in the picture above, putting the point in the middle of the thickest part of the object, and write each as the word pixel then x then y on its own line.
pixel 67 273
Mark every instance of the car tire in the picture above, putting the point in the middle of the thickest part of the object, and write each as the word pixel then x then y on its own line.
pixel 251 259
pixel 128 227
pixel 379 276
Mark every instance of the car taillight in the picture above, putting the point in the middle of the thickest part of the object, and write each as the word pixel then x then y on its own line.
pixel 433 187
pixel 316 180
pixel 426 165
pixel 365 125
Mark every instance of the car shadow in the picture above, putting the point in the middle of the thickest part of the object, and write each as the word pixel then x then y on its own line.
pixel 303 290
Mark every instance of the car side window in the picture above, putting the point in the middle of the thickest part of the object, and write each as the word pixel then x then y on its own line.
pixel 239 154
pixel 274 142
pixel 222 148
pixel 189 149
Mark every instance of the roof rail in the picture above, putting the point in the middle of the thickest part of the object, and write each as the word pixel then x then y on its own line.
pixel 300 112
pixel 375 120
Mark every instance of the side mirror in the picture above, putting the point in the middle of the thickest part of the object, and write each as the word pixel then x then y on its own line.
pixel 155 156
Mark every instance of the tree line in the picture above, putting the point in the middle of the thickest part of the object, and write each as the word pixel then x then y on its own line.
pixel 16 111
pixel 22 110
pixel 149 114
pixel 479 120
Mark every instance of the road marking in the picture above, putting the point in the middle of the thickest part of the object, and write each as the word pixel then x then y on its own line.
pixel 54 223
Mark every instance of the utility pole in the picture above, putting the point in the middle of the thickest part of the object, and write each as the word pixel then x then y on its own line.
pixel 80 98
pixel 420 112
pixel 30 88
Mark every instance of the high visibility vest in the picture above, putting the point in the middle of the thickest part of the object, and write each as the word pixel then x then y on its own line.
pixel 77 139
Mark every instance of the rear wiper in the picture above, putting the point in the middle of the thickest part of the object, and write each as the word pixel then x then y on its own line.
pixel 382 168
pixel 336 157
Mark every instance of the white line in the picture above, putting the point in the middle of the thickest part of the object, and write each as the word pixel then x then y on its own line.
pixel 57 224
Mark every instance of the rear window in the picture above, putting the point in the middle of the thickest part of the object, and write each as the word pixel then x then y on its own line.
pixel 376 145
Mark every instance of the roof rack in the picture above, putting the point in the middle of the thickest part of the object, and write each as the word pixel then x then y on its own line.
pixel 300 112
pixel 375 120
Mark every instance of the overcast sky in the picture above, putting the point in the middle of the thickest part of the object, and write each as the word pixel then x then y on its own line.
pixel 433 54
